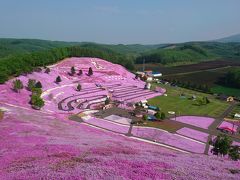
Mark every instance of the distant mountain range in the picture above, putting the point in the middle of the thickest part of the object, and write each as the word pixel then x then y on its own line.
pixel 233 38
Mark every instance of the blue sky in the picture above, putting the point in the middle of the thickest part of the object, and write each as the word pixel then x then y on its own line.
pixel 120 21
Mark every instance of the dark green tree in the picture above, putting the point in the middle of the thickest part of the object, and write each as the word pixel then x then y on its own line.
pixel 234 153
pixel 17 85
pixel 80 72
pixel 47 70
pixel 38 85
pixel 90 71
pixel 163 116
pixel 36 101
pixel 158 115
pixel 79 87
pixel 58 79
pixel 31 84
pixel 73 71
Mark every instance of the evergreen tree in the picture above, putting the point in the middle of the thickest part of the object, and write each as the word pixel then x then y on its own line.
pixel 90 71
pixel 79 87
pixel 80 72
pixel 38 85
pixel 47 70
pixel 17 85
pixel 58 79
pixel 107 101
pixel 73 71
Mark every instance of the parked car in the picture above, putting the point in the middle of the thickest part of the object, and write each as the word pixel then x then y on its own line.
pixel 227 130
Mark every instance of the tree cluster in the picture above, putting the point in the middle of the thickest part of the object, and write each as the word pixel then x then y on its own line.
pixel 222 146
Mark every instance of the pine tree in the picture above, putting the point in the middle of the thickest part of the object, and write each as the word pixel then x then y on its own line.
pixel 79 87
pixel 90 71
pixel 47 70
pixel 38 85
pixel 58 79
pixel 73 71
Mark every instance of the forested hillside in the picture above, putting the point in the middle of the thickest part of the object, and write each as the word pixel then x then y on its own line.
pixel 21 46
pixel 192 52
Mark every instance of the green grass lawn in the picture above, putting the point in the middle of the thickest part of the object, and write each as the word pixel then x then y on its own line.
pixel 182 106
pixel 235 110
pixel 226 90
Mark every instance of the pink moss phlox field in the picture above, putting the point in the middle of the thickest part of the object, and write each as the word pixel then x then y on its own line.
pixel 169 139
pixel 109 125
pixel 191 133
pixel 202 122
pixel 45 144
pixel 35 145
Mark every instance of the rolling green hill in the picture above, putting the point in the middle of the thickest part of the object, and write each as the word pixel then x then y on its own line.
pixel 191 52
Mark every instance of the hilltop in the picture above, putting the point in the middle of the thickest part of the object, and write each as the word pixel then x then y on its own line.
pixel 233 38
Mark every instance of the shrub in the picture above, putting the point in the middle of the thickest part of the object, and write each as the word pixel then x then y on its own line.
pixel 17 85
pixel 37 91
pixel 144 117
pixel 31 84
pixel 36 101
pixel 163 116
pixel 234 153
pixel 158 115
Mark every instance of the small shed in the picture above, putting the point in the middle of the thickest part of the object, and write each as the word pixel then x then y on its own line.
pixel 230 99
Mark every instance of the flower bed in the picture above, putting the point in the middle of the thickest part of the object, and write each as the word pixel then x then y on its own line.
pixel 191 133
pixel 109 125
pixel 202 122
pixel 169 139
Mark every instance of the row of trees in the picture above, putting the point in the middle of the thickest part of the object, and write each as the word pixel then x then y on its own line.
pixel 26 63
pixel 231 79
pixel 189 85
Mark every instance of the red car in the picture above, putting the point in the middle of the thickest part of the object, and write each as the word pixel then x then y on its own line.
pixel 227 130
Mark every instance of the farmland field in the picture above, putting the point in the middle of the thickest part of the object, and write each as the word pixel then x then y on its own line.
pixel 184 106
pixel 206 65
pixel 208 77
